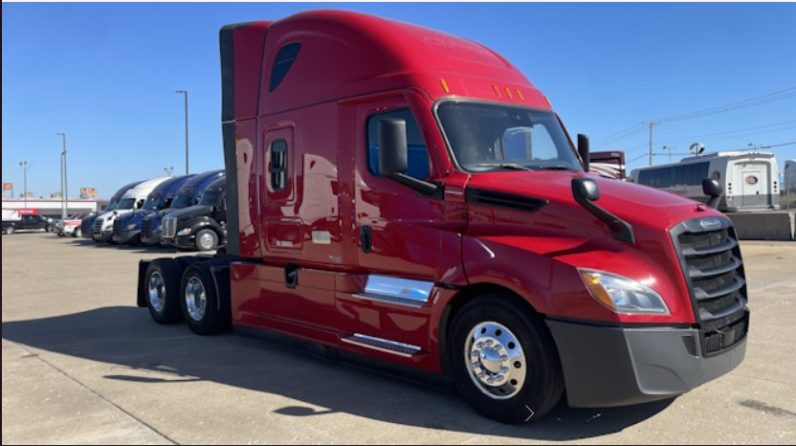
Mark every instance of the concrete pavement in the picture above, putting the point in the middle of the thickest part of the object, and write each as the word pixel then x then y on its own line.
pixel 82 365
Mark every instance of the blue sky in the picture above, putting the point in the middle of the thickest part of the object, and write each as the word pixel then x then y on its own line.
pixel 106 75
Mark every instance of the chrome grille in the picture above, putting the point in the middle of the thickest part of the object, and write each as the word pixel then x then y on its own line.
pixel 98 225
pixel 146 227
pixel 711 260
pixel 169 227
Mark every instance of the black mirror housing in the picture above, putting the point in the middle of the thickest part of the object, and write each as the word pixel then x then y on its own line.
pixel 393 148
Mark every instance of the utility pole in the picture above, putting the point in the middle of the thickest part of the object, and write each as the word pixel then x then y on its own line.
pixel 652 125
pixel 24 165
pixel 64 187
pixel 185 92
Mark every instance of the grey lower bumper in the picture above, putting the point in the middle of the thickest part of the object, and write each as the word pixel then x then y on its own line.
pixel 612 366
pixel 125 236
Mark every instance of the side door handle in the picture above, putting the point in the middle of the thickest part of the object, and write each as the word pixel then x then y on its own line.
pixel 366 238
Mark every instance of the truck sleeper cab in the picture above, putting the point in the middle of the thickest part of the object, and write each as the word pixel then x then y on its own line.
pixel 203 227
pixel 127 229
pixel 188 195
pixel 424 207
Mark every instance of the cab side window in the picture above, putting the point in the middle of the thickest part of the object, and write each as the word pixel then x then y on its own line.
pixel 418 152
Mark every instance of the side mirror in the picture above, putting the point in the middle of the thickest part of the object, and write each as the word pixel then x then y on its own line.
pixel 393 149
pixel 585 191
pixel 394 156
pixel 585 188
pixel 583 150
pixel 712 189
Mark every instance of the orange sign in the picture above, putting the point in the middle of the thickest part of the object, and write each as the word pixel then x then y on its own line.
pixel 89 192
pixel 8 186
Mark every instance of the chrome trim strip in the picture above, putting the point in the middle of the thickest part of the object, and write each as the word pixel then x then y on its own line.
pixel 383 345
pixel 404 290
pixel 389 300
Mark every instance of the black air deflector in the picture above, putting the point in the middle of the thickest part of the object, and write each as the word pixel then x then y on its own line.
pixel 504 200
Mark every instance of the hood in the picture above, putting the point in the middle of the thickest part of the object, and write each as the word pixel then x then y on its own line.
pixel 191 212
pixel 641 206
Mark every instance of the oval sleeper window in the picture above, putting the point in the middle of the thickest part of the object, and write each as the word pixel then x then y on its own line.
pixel 282 63
pixel 751 180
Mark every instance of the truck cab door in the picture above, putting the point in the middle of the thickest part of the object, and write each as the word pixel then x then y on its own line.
pixel 399 230
pixel 397 234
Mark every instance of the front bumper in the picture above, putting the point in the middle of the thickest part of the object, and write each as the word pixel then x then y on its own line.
pixel 185 241
pixel 103 236
pixel 126 236
pixel 152 238
pixel 615 366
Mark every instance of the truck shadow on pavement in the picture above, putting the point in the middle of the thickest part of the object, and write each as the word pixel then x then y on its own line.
pixel 147 355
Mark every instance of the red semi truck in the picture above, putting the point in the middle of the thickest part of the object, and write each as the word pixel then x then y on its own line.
pixel 406 198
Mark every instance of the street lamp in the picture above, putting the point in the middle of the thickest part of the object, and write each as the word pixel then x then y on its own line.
pixel 185 92
pixel 168 170
pixel 669 149
pixel 64 187
pixel 24 165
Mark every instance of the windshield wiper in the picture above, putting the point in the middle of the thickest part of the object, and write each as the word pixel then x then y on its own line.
pixel 511 166
pixel 556 167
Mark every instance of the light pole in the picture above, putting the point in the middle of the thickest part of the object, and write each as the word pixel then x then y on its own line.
pixel 185 92
pixel 168 170
pixel 24 165
pixel 64 187
pixel 669 149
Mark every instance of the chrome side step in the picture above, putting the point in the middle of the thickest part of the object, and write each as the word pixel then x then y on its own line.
pixel 382 345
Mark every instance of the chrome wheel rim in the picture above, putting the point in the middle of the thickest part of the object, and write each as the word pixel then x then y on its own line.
pixel 157 291
pixel 495 361
pixel 195 299
pixel 206 240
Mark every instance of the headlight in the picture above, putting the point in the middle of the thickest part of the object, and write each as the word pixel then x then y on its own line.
pixel 623 295
pixel 184 232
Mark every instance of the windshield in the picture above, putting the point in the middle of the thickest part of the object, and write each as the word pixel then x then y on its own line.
pixel 494 137
pixel 182 201
pixel 153 202
pixel 126 203
pixel 112 204
pixel 211 198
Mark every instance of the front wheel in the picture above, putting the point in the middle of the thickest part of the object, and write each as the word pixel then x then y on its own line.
pixel 504 360
pixel 10 230
pixel 206 240
pixel 77 233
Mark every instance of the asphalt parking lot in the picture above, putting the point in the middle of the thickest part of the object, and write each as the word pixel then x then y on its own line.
pixel 83 365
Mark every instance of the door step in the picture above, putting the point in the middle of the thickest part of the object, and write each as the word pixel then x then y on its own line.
pixel 383 345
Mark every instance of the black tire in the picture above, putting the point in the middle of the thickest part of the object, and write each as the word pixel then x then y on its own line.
pixel 200 302
pixel 206 240
pixel 162 288
pixel 9 230
pixel 527 365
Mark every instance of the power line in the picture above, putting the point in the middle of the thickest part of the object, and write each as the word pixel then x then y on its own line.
pixel 787 125
pixel 753 102
pixel 765 99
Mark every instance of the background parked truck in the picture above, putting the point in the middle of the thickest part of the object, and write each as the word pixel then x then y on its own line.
pixel 87 224
pixel 127 228
pixel 188 195
pixel 201 227
pixel 474 249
